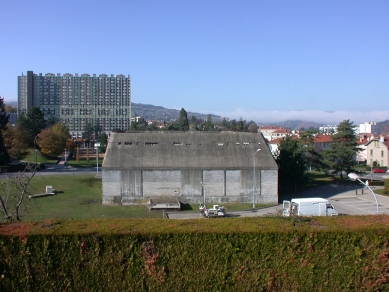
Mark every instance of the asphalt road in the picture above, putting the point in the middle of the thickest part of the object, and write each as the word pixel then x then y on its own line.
pixel 60 170
pixel 347 199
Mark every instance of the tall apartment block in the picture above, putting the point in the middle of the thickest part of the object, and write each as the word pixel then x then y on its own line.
pixel 78 100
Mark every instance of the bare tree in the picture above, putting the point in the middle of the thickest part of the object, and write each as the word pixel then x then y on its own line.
pixel 15 190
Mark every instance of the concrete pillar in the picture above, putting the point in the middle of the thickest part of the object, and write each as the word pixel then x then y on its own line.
pixel 224 183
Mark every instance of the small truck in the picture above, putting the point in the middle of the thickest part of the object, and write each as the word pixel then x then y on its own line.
pixel 215 211
pixel 308 207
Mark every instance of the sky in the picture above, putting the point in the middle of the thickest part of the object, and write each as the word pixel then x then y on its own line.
pixel 266 61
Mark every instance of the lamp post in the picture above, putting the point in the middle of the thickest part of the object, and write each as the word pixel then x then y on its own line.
pixel 355 177
pixel 97 159
pixel 254 179
pixel 35 147
pixel 203 190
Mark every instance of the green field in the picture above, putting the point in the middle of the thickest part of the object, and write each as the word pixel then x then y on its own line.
pixel 80 196
pixel 77 197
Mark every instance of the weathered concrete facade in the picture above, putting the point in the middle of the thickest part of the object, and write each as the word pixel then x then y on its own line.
pixel 188 165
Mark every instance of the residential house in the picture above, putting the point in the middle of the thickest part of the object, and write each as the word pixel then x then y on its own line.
pixel 280 133
pixel 377 151
pixel 268 130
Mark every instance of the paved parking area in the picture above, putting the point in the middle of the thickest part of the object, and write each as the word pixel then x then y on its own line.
pixel 346 200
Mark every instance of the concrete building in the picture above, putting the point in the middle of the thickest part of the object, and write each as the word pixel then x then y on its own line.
pixel 78 100
pixel 189 165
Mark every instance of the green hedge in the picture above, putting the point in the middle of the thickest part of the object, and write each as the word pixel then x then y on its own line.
pixel 376 183
pixel 255 254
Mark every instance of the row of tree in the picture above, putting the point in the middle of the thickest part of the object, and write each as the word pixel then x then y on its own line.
pixel 33 130
pixel 183 123
pixel 296 155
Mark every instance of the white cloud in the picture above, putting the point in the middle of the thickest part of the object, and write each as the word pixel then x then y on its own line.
pixel 316 116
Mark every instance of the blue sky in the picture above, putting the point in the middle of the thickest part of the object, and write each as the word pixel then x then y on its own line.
pixel 323 61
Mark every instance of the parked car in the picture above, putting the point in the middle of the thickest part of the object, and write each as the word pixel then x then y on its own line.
pixel 378 170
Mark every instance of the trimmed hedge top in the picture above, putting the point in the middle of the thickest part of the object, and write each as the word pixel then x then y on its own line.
pixel 220 226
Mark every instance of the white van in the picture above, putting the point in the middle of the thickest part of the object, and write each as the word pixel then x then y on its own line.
pixel 308 207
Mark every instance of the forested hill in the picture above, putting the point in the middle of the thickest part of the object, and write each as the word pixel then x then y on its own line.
pixel 152 112
pixel 382 128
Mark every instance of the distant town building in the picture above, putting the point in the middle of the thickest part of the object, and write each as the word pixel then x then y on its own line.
pixel 366 128
pixel 267 132
pixel 78 100
pixel 328 129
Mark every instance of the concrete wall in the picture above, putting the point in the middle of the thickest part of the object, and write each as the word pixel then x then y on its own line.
pixel 126 187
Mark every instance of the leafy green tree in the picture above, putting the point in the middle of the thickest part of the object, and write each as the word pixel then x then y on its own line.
pixel 97 130
pixel 24 135
pixel 193 120
pixel 52 141
pixel 292 163
pixel 253 128
pixel 233 125
pixel 88 132
pixel 35 120
pixel 225 123
pixel 340 156
pixel 240 125
pixel 4 119
pixel 51 120
pixel 17 141
pixel 183 123
pixel 152 127
pixel 140 124
pixel 103 142
pixel 314 158
pixel 172 126
pixel 208 124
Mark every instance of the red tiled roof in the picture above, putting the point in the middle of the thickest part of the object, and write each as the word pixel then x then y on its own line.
pixel 276 141
pixel 282 131
pixel 320 138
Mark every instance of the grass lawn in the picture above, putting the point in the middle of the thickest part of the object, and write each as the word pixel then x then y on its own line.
pixel 79 197
pixel 83 163
pixel 316 178
pixel 40 158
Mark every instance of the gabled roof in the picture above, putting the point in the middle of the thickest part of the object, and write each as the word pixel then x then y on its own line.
pixel 187 150
pixel 385 142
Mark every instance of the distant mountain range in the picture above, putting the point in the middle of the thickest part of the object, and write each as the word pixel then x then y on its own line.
pixel 159 113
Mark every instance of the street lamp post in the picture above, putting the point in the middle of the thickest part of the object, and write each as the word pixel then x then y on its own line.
pixel 35 148
pixel 97 159
pixel 254 179
pixel 203 190
pixel 355 177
